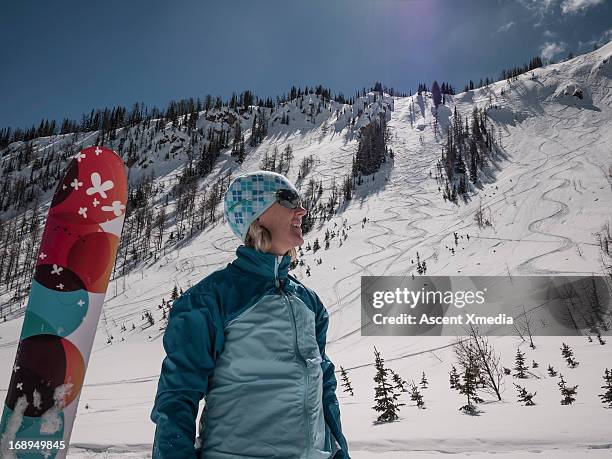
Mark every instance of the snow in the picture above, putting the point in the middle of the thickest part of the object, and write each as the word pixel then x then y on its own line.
pixel 548 195
pixel 13 427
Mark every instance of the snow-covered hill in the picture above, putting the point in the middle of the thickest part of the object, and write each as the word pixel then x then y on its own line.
pixel 547 194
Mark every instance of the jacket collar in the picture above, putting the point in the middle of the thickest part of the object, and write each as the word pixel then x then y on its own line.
pixel 273 267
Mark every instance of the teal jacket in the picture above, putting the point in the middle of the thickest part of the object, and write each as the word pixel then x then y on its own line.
pixel 251 340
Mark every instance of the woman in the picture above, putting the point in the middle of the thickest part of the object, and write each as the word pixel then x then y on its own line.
pixel 251 339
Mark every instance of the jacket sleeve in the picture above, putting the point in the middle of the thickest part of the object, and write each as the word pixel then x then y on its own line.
pixel 192 339
pixel 331 407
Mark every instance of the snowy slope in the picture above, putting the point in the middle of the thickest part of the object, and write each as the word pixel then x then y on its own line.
pixel 548 195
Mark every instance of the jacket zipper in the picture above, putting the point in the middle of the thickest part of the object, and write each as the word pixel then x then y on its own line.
pixel 297 352
pixel 276 263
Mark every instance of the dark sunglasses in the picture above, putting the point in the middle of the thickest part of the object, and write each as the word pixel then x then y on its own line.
pixel 288 198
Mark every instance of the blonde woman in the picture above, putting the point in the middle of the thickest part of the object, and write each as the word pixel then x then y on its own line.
pixel 250 339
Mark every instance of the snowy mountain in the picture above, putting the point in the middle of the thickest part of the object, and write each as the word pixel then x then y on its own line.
pixel 546 193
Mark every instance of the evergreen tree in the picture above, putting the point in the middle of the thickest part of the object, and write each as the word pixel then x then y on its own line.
pixel 468 388
pixel 473 161
pixel 372 149
pixel 520 365
pixel 606 397
pixel 241 151
pixel 345 382
pixel 287 157
pixel 238 143
pixel 551 371
pixel 567 392
pixel 149 318
pixel 175 293
pixel 347 188
pixel 423 382
pixel 255 130
pixel 454 378
pixel 400 384
pixel 416 396
pixel 568 354
pixel 524 396
pixel 436 94
pixel 386 398
pixel 447 192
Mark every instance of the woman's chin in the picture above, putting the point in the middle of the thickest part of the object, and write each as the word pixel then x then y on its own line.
pixel 297 240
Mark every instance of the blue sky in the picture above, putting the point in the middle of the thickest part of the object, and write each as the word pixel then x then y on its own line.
pixel 63 58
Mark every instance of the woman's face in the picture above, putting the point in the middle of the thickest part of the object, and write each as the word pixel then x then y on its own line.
pixel 284 226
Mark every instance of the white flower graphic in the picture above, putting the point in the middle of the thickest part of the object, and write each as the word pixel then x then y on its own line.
pixel 76 184
pixel 98 186
pixel 115 207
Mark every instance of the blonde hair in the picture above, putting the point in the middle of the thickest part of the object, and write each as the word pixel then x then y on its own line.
pixel 260 239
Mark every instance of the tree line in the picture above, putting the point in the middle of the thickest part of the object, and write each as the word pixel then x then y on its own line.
pixel 469 142
pixel 111 118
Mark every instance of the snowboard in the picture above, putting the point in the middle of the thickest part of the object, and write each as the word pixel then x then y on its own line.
pixel 76 256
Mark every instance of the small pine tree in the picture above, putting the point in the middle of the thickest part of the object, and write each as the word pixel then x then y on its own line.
pixel 416 396
pixel 551 371
pixel 436 94
pixel 424 382
pixel 606 397
pixel 524 396
pixel 567 392
pixel 175 293
pixel 468 388
pixel 400 384
pixel 568 354
pixel 316 245
pixel 385 396
pixel 520 365
pixel 454 378
pixel 345 382
pixel 535 364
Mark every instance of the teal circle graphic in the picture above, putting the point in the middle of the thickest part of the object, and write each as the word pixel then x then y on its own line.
pixel 53 312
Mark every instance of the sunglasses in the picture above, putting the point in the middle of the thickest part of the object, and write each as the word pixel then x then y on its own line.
pixel 288 198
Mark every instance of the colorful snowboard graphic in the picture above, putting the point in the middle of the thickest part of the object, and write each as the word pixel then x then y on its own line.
pixel 76 256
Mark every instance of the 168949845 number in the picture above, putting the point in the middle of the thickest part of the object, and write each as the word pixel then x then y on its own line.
pixel 37 444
